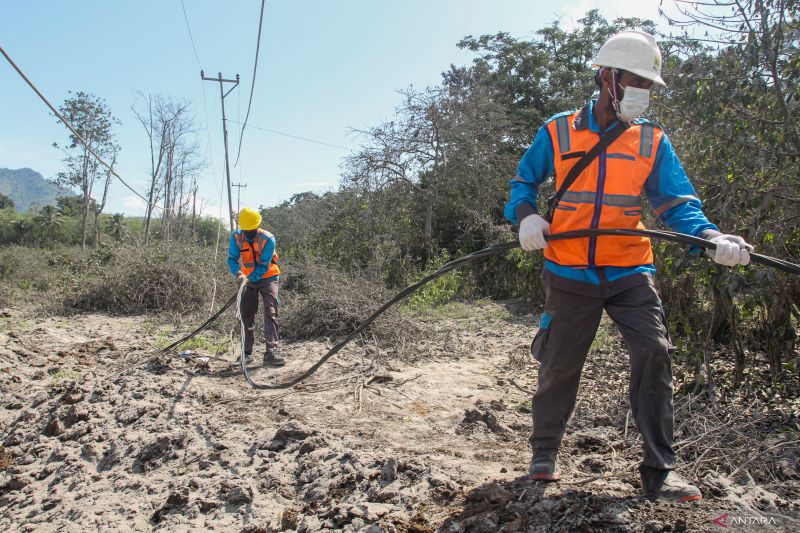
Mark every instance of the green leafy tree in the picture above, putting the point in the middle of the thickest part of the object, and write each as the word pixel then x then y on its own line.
pixel 434 177
pixel 6 202
pixel 733 106
pixel 92 119
pixel 70 206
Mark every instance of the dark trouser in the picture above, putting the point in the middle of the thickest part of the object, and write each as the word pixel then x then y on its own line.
pixel 268 290
pixel 575 309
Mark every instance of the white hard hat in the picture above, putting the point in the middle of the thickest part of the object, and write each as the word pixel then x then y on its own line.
pixel 634 51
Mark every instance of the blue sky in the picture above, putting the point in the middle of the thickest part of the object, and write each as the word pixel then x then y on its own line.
pixel 326 67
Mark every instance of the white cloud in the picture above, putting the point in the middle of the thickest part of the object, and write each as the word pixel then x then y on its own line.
pixel 213 211
pixel 133 203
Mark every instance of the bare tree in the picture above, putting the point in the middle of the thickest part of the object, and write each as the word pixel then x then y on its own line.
pixel 184 167
pixel 442 152
pixel 99 208
pixel 170 128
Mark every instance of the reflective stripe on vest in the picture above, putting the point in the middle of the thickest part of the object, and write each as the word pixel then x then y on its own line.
pixel 606 195
pixel 250 254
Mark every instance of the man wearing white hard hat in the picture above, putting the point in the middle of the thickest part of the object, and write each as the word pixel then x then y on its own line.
pixel 603 157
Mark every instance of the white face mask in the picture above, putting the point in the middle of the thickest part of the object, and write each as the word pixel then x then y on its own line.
pixel 633 104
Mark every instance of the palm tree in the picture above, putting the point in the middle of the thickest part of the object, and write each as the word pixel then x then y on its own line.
pixel 50 221
pixel 21 230
pixel 116 227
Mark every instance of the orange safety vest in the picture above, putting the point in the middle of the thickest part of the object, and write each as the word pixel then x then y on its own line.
pixel 606 195
pixel 250 254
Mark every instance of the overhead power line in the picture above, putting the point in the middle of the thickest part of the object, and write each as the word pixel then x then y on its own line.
pixel 205 109
pixel 74 132
pixel 252 83
pixel 191 39
pixel 306 139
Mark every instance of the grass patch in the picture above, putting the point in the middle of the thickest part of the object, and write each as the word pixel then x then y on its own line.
pixel 483 310
pixel 5 461
pixel 62 375
pixel 451 310
pixel 197 343
pixel 201 343
pixel 525 407
pixel 607 337
pixel 15 324
pixel 148 327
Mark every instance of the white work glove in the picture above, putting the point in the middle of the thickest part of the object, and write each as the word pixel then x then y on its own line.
pixel 241 279
pixel 532 230
pixel 731 250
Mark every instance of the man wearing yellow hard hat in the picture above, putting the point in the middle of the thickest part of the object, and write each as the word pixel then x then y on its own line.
pixel 252 259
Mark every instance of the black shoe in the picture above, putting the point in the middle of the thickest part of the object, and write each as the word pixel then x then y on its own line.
pixel 544 465
pixel 273 358
pixel 667 486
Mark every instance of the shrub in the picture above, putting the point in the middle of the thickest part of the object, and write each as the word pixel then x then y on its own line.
pixel 441 290
pixel 31 275
pixel 10 261
pixel 134 279
pixel 317 300
pixel 177 280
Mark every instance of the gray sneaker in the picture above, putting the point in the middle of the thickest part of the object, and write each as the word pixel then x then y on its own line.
pixel 249 359
pixel 667 486
pixel 544 465
pixel 273 358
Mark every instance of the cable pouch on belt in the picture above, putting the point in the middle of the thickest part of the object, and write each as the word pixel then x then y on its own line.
pixel 581 165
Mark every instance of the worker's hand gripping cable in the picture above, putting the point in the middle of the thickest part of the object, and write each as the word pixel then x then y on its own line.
pixel 731 250
pixel 533 231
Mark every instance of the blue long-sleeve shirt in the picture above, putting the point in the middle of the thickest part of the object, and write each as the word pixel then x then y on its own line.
pixel 667 188
pixel 263 261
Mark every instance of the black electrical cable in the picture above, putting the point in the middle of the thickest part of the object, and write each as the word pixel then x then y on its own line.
pixel 191 39
pixel 492 250
pixel 674 236
pixel 780 264
pixel 203 326
pixel 496 249
pixel 306 139
pixel 74 132
pixel 253 83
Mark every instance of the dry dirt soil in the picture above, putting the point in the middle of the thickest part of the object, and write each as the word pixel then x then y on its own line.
pixel 99 431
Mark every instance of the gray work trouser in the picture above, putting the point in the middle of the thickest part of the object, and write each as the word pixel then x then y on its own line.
pixel 575 310
pixel 267 289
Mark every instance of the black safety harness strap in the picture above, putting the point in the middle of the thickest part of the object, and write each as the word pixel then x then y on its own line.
pixel 581 165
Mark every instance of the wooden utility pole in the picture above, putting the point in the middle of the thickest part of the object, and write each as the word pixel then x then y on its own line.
pixel 222 95
pixel 239 194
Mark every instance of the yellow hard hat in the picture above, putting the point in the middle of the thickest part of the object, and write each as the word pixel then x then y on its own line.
pixel 249 218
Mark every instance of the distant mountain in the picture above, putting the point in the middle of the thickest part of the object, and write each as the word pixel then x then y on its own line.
pixel 27 187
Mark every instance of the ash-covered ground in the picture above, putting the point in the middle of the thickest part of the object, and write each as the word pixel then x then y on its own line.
pixel 101 432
